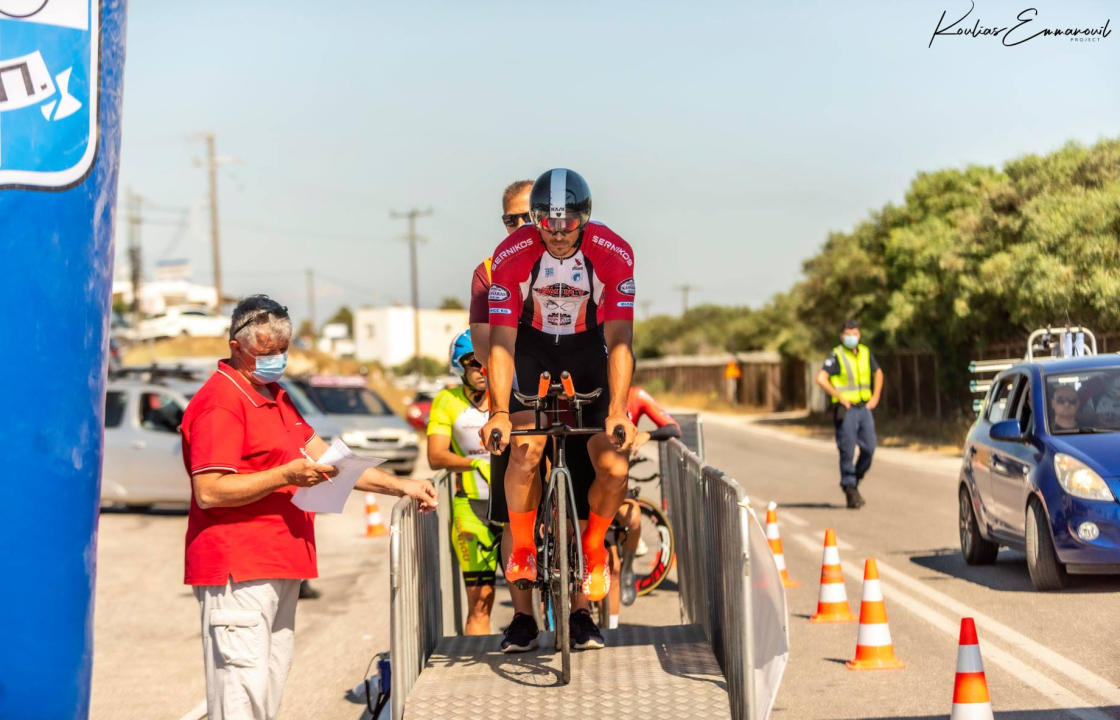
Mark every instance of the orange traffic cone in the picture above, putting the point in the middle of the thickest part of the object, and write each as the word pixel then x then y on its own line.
pixel 874 650
pixel 775 542
pixel 374 526
pixel 832 602
pixel 970 691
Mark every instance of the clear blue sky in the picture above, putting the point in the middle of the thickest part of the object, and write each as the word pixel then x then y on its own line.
pixel 723 140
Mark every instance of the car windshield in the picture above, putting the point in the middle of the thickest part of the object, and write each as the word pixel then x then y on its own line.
pixel 1083 402
pixel 300 400
pixel 349 401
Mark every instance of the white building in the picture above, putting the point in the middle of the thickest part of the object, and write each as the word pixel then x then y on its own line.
pixel 335 340
pixel 385 334
pixel 172 287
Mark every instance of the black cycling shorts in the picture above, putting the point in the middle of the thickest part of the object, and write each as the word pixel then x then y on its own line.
pixel 580 469
pixel 584 356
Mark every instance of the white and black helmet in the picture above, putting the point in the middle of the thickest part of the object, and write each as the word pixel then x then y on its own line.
pixel 560 200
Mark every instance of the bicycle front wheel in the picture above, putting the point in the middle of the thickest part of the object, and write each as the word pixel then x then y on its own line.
pixel 560 585
pixel 657 535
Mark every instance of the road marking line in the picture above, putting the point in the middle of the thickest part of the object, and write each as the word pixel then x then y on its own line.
pixel 792 519
pixel 197 712
pixel 1062 698
pixel 783 515
pixel 1014 638
pixel 843 545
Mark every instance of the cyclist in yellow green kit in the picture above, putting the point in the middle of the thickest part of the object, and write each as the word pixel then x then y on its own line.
pixel 456 417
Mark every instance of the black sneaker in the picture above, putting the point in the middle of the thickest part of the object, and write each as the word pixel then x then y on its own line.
pixel 627 585
pixel 585 633
pixel 521 635
pixel 306 592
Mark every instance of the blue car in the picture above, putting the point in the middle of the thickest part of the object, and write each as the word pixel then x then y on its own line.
pixel 1041 470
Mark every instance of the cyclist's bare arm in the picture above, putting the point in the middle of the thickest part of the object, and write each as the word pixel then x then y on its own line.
pixel 480 339
pixel 500 380
pixel 619 335
pixel 441 457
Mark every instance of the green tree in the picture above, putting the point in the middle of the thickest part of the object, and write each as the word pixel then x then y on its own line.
pixel 451 303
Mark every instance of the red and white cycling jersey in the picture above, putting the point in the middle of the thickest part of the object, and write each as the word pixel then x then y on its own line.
pixel 531 288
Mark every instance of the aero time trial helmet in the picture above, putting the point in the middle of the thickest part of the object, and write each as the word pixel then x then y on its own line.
pixel 560 201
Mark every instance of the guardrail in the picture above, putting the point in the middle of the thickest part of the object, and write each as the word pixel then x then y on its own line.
pixel 422 588
pixel 710 520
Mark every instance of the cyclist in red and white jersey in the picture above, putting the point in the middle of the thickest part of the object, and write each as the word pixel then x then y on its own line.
pixel 562 298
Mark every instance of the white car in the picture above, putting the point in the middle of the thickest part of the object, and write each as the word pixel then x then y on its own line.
pixel 188 321
pixel 143 462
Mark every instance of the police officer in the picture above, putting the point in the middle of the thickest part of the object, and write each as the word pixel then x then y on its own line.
pixel 854 380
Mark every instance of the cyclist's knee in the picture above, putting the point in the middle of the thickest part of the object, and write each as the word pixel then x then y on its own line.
pixel 525 455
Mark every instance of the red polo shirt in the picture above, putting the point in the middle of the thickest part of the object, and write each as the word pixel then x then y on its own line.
pixel 229 425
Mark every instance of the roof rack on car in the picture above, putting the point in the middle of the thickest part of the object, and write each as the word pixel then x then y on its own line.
pixel 1044 344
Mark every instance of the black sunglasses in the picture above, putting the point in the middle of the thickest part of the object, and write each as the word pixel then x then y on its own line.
pixel 1065 400
pixel 516 219
pixel 471 364
pixel 279 311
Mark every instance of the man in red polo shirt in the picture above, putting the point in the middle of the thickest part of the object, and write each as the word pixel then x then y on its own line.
pixel 247 450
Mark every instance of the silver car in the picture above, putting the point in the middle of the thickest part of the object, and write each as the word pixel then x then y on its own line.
pixel 143 460
pixel 369 427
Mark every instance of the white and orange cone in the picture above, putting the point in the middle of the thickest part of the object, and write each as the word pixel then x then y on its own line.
pixel 874 650
pixel 832 602
pixel 375 527
pixel 774 539
pixel 970 691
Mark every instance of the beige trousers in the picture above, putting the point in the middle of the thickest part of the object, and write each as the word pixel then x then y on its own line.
pixel 247 634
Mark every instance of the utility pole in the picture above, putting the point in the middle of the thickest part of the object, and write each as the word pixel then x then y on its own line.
pixel 684 290
pixel 311 300
pixel 646 305
pixel 135 264
pixel 212 163
pixel 412 239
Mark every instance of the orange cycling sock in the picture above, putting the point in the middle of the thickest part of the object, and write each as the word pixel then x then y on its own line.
pixel 597 580
pixel 521 529
pixel 594 548
pixel 522 564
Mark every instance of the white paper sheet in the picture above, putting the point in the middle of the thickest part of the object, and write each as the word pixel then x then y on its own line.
pixel 330 497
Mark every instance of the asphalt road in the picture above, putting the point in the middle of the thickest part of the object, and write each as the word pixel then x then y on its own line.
pixel 1046 655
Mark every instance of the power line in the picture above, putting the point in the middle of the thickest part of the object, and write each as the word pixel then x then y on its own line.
pixel 253 226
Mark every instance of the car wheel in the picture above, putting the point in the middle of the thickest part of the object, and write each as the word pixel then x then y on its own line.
pixel 976 550
pixel 1042 562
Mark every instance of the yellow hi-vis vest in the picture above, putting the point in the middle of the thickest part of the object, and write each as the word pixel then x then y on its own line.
pixel 853 386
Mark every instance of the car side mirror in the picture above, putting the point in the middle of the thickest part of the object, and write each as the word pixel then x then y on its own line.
pixel 1007 430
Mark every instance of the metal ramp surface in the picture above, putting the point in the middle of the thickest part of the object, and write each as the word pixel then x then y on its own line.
pixel 644 672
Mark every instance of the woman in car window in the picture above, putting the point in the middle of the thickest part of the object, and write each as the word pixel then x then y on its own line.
pixel 1064 404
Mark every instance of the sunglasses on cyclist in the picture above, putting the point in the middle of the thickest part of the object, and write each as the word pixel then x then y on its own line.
pixel 559 224
pixel 471 364
pixel 516 220
pixel 1066 399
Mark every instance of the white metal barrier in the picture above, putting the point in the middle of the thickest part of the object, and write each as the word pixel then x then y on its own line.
pixel 422 588
pixel 712 526
pixel 710 521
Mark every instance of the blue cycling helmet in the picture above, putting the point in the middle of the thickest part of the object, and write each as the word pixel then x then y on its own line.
pixel 461 346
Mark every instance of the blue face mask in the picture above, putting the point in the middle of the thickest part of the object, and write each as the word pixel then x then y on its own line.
pixel 270 367
pixel 850 341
